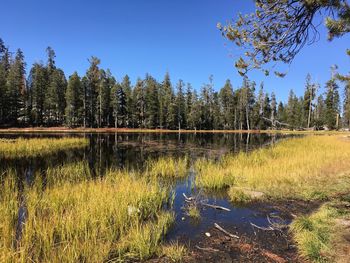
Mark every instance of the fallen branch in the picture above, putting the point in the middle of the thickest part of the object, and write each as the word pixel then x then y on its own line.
pixel 209 249
pixel 217 207
pixel 263 228
pixel 224 231
pixel 187 198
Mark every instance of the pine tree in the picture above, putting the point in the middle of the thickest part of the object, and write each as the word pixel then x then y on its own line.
pixel 140 103
pixel 151 102
pixel 38 86
pixel 332 105
pixel 180 106
pixel 74 101
pixel 273 109
pixel 119 102
pixel 347 104
pixel 127 90
pixel 189 103
pixel 320 113
pixel 16 89
pixel 4 70
pixel 93 93
pixel 226 105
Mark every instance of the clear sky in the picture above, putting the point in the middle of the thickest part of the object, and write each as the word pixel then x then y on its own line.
pixel 136 37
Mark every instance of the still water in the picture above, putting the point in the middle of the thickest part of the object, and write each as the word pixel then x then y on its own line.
pixel 131 151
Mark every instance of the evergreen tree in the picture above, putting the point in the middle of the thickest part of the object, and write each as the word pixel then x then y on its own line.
pixel 93 93
pixel 166 99
pixel 332 105
pixel 180 106
pixel 74 101
pixel 151 102
pixel 16 89
pixel 319 113
pixel 140 104
pixel 227 105
pixel 347 103
pixel 4 69
pixel 127 91
pixel 38 86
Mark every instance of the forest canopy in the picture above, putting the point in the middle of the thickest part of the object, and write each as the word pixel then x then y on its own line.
pixel 45 97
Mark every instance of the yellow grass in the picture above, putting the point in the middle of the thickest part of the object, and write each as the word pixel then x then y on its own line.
pixel 8 216
pixel 21 147
pixel 168 167
pixel 76 219
pixel 312 167
pixel 174 251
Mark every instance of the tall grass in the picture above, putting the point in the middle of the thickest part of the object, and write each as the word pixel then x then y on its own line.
pixel 314 234
pixel 119 217
pixel 312 167
pixel 21 147
pixel 8 215
pixel 168 167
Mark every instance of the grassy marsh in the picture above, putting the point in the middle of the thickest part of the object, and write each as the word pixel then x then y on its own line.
pixel 311 167
pixel 168 167
pixel 21 147
pixel 9 206
pixel 119 217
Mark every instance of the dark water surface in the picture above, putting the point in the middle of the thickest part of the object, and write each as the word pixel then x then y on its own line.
pixel 132 150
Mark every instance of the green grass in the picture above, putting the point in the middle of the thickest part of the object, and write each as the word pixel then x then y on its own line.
pixel 318 234
pixel 311 167
pixel 168 167
pixel 174 251
pixel 193 212
pixel 21 147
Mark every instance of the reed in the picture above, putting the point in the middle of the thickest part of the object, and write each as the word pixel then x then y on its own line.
pixel 168 167
pixel 74 218
pixel 8 216
pixel 312 167
pixel 20 148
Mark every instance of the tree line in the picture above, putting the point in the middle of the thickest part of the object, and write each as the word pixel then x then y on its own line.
pixel 97 99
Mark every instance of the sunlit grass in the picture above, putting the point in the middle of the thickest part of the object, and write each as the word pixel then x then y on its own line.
pixel 21 147
pixel 318 235
pixel 76 219
pixel 312 167
pixel 168 167
pixel 174 251
pixel 8 216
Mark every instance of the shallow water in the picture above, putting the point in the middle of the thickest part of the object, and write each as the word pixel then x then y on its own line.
pixel 132 150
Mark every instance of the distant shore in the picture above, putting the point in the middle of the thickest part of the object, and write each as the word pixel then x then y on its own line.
pixel 139 130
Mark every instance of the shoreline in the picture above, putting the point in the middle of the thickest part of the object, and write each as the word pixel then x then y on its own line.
pixel 137 130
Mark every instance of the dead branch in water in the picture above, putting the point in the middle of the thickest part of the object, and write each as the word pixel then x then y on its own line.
pixel 209 249
pixel 217 207
pixel 225 232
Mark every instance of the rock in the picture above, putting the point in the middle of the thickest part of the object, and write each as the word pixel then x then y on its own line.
pixel 207 234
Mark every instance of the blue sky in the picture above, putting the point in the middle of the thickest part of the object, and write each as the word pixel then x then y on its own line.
pixel 136 37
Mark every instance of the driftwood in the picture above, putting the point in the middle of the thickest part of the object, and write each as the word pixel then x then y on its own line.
pixel 196 200
pixel 209 249
pixel 189 199
pixel 224 231
pixel 216 207
pixel 262 228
